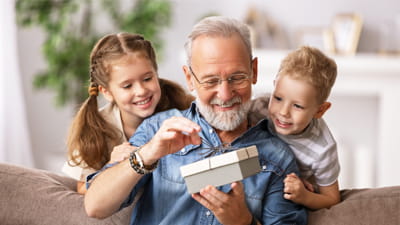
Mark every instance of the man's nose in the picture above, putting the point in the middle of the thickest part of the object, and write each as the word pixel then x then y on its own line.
pixel 224 90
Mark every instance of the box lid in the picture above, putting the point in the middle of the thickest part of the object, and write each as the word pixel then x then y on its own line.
pixel 218 161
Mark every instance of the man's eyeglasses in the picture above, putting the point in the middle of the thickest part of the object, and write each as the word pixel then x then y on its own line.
pixel 236 81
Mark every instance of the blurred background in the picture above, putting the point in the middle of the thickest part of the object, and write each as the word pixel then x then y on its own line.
pixel 363 36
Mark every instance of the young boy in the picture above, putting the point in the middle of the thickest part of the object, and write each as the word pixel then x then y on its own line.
pixel 295 111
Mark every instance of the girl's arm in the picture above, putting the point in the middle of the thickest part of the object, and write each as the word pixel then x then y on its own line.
pixel 81 187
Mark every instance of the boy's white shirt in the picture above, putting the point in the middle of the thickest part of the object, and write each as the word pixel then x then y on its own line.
pixel 315 149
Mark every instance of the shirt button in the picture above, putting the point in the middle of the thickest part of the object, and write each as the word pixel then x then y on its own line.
pixel 183 150
pixel 208 213
pixel 264 167
pixel 210 131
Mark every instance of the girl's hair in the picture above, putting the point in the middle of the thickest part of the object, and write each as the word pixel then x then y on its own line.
pixel 218 26
pixel 173 96
pixel 91 137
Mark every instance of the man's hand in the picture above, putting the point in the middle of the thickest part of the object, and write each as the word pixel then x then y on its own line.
pixel 229 208
pixel 174 134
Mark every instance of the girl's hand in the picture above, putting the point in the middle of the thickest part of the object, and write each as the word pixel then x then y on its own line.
pixel 121 152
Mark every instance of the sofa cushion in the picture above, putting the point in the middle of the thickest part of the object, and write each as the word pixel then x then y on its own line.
pixel 361 207
pixel 38 197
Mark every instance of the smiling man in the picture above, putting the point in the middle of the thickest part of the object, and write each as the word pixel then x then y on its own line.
pixel 221 70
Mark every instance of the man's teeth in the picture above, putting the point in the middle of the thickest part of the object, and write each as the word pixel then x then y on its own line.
pixel 143 102
pixel 225 105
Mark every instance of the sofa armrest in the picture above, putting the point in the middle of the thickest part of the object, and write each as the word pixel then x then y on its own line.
pixel 38 197
pixel 361 206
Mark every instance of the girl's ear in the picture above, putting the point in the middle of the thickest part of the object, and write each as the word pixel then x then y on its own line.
pixel 322 109
pixel 107 94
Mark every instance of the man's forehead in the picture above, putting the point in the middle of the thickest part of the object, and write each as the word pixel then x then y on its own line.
pixel 207 38
pixel 219 50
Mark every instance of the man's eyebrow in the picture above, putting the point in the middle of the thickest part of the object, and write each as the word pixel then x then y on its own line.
pixel 218 75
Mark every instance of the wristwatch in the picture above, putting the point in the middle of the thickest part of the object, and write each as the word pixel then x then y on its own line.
pixel 137 163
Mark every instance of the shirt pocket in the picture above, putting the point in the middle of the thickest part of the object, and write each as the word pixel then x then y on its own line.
pixel 170 165
pixel 256 186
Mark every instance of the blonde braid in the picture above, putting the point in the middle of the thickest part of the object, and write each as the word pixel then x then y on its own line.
pixel 93 89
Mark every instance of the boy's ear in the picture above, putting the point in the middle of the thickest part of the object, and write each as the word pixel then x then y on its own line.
pixel 322 109
pixel 107 95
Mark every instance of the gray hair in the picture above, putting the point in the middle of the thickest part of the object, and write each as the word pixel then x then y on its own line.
pixel 218 26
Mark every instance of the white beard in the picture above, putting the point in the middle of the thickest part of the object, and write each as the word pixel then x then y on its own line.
pixel 227 120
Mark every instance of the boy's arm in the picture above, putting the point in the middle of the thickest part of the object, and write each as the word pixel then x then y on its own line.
pixel 297 192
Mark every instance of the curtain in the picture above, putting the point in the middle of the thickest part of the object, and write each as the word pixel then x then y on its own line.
pixel 15 146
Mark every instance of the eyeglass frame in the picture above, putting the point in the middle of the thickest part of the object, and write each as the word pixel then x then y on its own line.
pixel 229 80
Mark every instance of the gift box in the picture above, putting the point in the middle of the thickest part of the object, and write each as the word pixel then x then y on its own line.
pixel 222 169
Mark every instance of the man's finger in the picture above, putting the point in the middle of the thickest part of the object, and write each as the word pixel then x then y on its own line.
pixel 237 188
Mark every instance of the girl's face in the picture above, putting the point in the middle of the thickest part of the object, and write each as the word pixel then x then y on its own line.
pixel 134 87
pixel 293 105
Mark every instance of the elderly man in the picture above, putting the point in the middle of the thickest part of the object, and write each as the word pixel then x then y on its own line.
pixel 221 69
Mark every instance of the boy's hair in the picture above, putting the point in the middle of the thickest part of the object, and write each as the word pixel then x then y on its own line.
pixel 311 65
pixel 90 137
pixel 218 26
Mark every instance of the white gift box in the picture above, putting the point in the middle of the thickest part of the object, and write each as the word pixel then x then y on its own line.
pixel 222 169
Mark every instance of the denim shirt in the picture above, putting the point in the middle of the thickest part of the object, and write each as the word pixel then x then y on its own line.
pixel 166 201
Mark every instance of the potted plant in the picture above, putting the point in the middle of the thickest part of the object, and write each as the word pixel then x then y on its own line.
pixel 71 32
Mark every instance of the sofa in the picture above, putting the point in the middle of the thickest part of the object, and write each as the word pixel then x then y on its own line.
pixel 38 197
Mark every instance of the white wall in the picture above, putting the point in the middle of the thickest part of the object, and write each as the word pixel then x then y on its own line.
pixel 290 15
pixel 48 125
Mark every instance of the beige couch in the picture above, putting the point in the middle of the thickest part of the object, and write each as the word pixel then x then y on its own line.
pixel 37 197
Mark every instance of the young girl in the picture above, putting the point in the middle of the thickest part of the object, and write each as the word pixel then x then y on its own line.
pixel 123 68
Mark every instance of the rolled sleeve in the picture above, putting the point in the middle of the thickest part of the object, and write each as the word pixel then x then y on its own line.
pixel 91 177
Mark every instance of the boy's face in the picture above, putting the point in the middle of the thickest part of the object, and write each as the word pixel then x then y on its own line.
pixel 293 105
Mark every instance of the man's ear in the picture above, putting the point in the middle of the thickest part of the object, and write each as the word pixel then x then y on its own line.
pixel 189 77
pixel 322 109
pixel 254 65
pixel 107 94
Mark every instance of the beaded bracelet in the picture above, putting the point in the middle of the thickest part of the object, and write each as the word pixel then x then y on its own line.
pixel 137 163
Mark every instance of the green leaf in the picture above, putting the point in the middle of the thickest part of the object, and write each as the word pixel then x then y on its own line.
pixel 70 36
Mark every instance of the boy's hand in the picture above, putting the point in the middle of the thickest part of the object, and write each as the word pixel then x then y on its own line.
pixel 295 189
pixel 308 185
